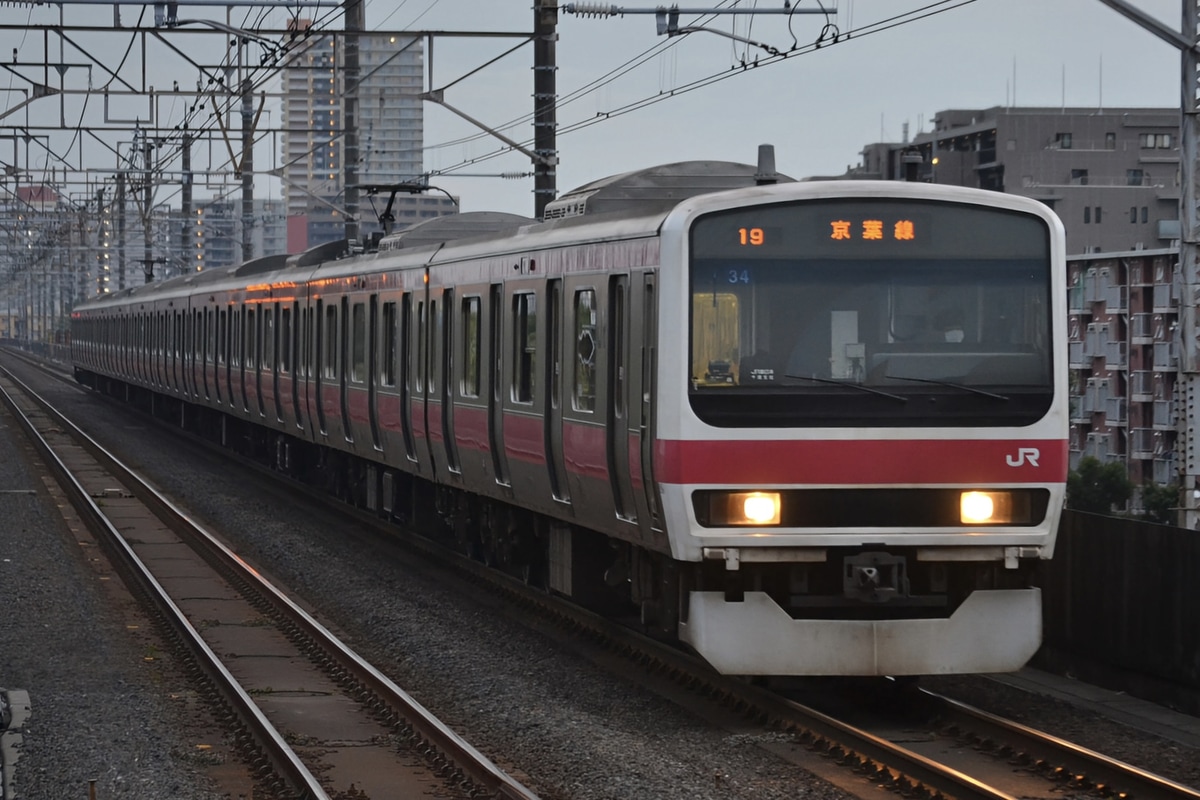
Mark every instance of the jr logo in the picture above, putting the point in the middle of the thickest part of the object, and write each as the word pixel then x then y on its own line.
pixel 1025 454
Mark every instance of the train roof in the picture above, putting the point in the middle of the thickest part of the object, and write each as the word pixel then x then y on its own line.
pixel 657 189
pixel 452 227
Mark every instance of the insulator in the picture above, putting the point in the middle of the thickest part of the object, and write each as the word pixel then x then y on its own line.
pixel 592 9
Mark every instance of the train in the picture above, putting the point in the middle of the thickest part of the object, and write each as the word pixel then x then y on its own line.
pixel 799 427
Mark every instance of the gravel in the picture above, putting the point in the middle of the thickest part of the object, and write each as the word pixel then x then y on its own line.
pixel 564 726
pixel 98 711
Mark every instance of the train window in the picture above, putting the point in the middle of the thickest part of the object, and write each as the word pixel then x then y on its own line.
pixel 435 337
pixel 285 340
pixel 524 346
pixel 358 343
pixel 268 336
pixel 471 341
pixel 222 337
pixel 853 311
pixel 329 362
pixel 586 346
pixel 387 367
pixel 253 339
pixel 420 383
pixel 619 356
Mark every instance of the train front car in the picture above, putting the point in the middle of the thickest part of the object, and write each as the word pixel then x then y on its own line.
pixel 862 437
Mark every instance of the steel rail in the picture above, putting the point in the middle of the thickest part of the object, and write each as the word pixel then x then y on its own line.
pixel 283 758
pixel 464 756
pixel 1080 765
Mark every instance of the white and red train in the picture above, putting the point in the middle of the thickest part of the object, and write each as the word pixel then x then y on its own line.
pixel 804 427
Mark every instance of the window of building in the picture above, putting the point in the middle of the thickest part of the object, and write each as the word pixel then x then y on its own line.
pixel 1133 213
pixel 1079 177
pixel 1159 141
pixel 1063 140
pixel 1097 215
pixel 1087 215
pixel 1110 141
pixel 1145 214
pixel 1134 177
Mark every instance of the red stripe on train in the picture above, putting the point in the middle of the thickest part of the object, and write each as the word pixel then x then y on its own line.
pixel 862 461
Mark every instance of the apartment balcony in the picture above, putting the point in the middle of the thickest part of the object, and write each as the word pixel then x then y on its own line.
pixel 1166 356
pixel 1142 443
pixel 1095 397
pixel 1141 386
pixel 1075 356
pixel 1093 289
pixel 1141 328
pixel 1099 446
pixel 1076 302
pixel 1116 355
pixel 1165 298
pixel 1164 415
pixel 1076 411
pixel 1116 299
pixel 1164 471
pixel 1116 411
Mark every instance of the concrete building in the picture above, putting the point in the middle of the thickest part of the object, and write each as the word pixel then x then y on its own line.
pixel 1111 175
pixel 391 134
pixel 1123 357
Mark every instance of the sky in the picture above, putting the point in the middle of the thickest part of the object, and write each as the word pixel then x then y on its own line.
pixel 818 107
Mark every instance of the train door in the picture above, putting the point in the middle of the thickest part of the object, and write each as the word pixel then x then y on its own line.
pixel 552 416
pixel 245 319
pixel 496 384
pixel 445 321
pixel 618 397
pixel 421 390
pixel 647 350
pixel 277 344
pixel 262 356
pixel 343 373
pixel 406 377
pixel 373 370
pixel 205 351
pixel 318 373
pixel 297 366
pixel 222 355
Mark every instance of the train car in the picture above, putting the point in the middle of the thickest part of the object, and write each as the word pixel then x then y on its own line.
pixel 804 428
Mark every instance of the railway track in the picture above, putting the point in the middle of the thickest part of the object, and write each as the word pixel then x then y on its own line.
pixel 1005 760
pixel 309 717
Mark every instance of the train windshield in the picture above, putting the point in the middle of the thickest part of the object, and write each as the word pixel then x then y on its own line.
pixel 870 312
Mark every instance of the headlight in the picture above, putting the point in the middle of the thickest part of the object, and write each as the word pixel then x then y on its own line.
pixel 751 508
pixel 993 508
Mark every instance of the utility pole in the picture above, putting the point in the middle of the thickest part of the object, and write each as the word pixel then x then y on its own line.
pixel 545 97
pixel 147 202
pixel 246 165
pixel 1187 280
pixel 355 23
pixel 186 246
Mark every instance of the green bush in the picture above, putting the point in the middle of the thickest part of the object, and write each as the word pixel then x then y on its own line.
pixel 1097 487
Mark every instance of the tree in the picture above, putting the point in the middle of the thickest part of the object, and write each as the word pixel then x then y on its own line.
pixel 1097 487
pixel 1160 502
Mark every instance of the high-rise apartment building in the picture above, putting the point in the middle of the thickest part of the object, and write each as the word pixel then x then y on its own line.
pixel 390 132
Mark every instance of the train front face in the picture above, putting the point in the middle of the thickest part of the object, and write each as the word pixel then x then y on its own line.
pixel 862 440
